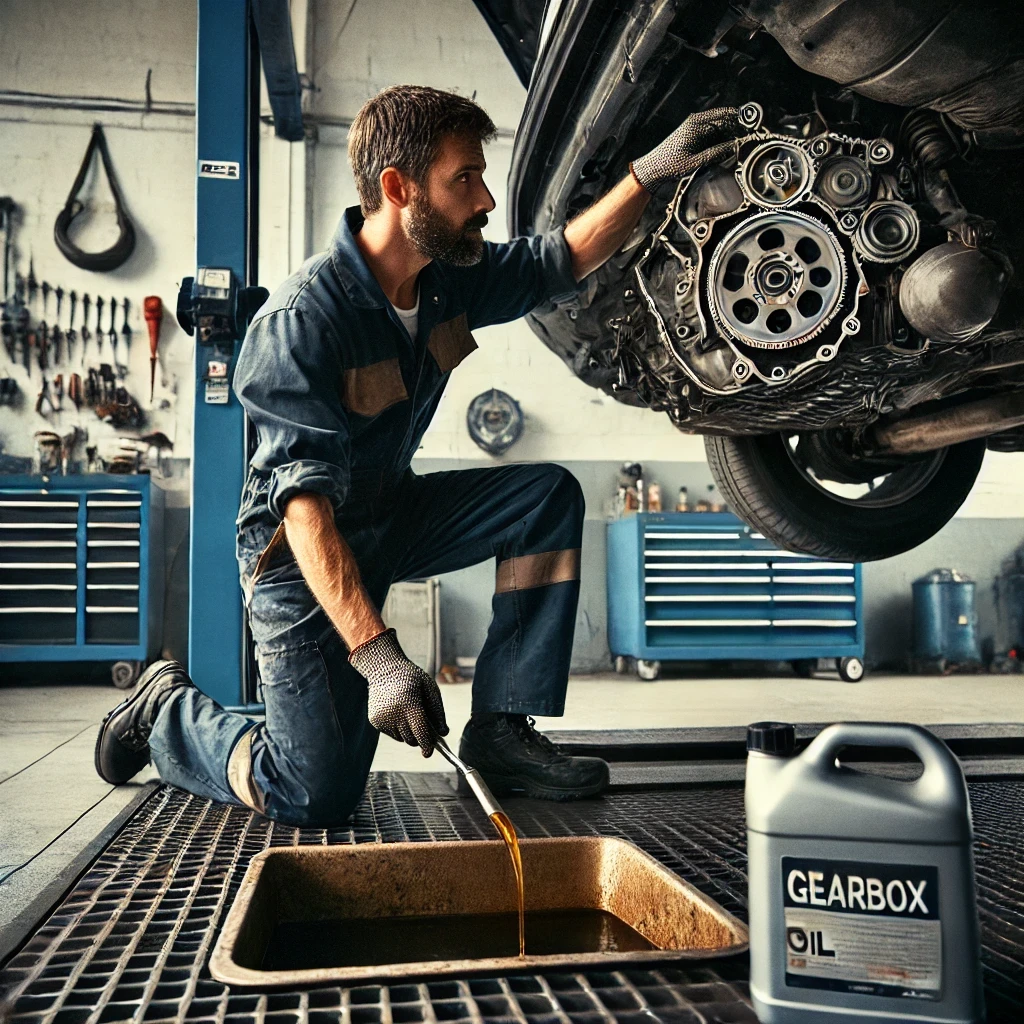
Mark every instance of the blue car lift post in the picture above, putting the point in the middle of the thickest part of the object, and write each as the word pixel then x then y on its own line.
pixel 227 200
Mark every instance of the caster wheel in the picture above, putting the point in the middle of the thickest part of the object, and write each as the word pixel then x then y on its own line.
pixel 621 664
pixel 851 669
pixel 805 667
pixel 125 674
pixel 648 670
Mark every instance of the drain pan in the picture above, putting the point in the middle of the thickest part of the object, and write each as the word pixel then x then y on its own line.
pixel 352 885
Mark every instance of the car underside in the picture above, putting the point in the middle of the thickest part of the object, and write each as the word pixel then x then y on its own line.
pixel 832 303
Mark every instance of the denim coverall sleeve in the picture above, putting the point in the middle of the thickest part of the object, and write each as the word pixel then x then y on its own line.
pixel 514 277
pixel 289 386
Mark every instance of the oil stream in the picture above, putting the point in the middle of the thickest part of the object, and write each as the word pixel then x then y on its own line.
pixel 507 830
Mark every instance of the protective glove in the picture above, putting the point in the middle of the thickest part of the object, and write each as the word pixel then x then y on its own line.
pixel 703 137
pixel 404 702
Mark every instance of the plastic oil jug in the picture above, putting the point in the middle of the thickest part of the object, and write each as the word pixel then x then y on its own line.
pixel 862 904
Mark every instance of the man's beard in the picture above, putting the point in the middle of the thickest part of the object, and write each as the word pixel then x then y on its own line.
pixel 435 238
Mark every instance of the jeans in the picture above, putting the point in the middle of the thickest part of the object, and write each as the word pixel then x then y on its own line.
pixel 307 762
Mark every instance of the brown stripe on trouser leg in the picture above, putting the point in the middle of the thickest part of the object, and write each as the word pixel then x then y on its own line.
pixel 240 772
pixel 523 572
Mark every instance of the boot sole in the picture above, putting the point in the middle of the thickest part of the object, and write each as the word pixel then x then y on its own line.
pixel 102 732
pixel 504 785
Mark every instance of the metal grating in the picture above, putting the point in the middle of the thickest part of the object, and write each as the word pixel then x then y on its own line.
pixel 131 941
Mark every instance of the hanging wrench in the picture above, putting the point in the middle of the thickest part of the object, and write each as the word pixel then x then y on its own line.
pixel 99 323
pixel 72 334
pixel 126 331
pixel 86 302
pixel 56 334
pixel 112 338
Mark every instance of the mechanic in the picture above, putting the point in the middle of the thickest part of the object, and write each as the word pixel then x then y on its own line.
pixel 341 372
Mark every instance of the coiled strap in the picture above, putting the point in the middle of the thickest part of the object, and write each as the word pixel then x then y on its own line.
pixel 125 244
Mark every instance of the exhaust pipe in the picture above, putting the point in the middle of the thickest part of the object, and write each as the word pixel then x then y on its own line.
pixel 932 431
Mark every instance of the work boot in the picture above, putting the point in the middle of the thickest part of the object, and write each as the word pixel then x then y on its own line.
pixel 122 746
pixel 513 757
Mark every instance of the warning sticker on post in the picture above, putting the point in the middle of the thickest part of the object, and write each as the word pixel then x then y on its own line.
pixel 871 929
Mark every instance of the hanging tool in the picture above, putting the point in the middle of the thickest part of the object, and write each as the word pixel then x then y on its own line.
pixel 93 391
pixel 99 323
pixel 42 337
pixel 112 338
pixel 73 206
pixel 58 391
pixel 7 209
pixel 45 396
pixel 75 390
pixel 32 283
pixel 46 289
pixel 22 334
pixel 126 332
pixel 56 334
pixel 72 335
pixel 86 301
pixel 153 311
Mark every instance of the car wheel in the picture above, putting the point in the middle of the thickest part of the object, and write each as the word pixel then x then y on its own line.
pixel 648 671
pixel 804 493
pixel 851 670
pixel 124 674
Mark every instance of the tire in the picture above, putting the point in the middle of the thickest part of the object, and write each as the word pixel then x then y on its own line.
pixel 851 670
pixel 765 488
pixel 805 667
pixel 648 671
pixel 125 674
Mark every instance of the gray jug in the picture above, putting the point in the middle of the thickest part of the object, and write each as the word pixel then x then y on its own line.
pixel 862 900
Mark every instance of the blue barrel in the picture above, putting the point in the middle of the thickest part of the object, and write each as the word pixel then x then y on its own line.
pixel 945 619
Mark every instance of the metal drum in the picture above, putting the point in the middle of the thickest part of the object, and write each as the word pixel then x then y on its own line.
pixel 945 619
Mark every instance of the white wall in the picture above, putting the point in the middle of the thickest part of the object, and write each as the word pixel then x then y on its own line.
pixel 97 48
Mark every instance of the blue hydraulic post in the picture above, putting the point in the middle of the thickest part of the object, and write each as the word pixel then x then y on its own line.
pixel 225 201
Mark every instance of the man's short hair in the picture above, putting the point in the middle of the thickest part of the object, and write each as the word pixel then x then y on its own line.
pixel 402 127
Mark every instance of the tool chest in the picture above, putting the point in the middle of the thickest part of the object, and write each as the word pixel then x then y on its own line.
pixel 81 568
pixel 705 586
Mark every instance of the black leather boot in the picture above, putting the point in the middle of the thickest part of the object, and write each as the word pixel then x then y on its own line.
pixel 122 746
pixel 513 757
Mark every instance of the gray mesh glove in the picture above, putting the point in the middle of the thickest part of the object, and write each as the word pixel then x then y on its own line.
pixel 703 137
pixel 404 702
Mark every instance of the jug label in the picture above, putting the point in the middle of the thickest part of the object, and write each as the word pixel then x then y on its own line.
pixel 871 929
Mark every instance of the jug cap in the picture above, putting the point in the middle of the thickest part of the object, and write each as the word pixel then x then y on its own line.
pixel 775 738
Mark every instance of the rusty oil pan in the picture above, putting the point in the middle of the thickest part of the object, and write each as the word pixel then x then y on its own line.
pixel 300 884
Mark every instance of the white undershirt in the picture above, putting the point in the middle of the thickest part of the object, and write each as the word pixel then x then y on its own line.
pixel 410 317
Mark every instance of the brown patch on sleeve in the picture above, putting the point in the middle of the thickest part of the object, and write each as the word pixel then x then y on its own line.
pixel 369 390
pixel 451 342
pixel 527 571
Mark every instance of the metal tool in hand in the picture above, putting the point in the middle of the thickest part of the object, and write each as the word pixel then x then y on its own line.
pixel 472 777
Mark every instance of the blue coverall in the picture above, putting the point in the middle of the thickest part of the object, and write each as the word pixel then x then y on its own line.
pixel 340 397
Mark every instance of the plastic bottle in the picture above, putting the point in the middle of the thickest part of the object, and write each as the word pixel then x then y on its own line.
pixel 862 899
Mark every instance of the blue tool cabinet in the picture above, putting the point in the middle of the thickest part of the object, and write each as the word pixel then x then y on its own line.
pixel 81 568
pixel 704 586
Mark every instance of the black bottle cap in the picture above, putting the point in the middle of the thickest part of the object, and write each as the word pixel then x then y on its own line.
pixel 776 738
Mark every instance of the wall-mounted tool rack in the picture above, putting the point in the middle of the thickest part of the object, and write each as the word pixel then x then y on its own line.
pixel 81 568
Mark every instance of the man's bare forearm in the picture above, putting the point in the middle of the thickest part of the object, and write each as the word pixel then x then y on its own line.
pixel 598 233
pixel 330 569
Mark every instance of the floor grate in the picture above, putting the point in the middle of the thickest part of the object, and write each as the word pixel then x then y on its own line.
pixel 132 940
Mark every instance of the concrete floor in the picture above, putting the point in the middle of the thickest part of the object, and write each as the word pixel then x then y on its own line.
pixel 57 813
